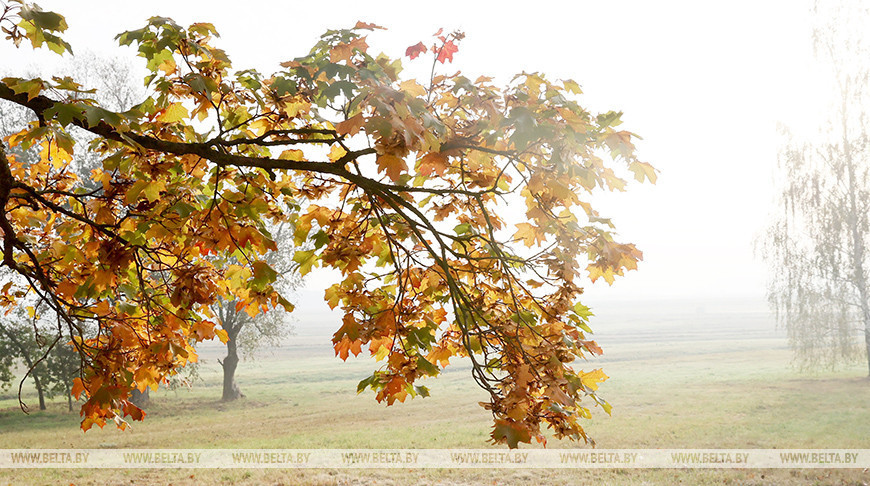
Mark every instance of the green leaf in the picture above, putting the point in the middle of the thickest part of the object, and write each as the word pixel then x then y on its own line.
pixel 504 431
pixel 379 125
pixel 263 274
pixel 306 260
pixel 462 229
pixel 283 86
pixel 320 239
pixel 135 190
pixel 182 208
pixel 64 113
pixel 43 20
pixel 426 367
pixel 94 115
pixel 582 311
pixel 371 381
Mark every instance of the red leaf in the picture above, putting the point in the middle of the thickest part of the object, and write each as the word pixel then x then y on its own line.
pixel 415 50
pixel 446 52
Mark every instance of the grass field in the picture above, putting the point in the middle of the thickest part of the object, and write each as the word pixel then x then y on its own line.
pixel 711 376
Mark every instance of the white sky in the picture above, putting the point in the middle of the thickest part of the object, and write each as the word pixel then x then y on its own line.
pixel 702 82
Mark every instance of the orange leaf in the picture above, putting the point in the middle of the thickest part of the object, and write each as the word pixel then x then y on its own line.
pixel 446 52
pixel 366 26
pixel 351 126
pixel 393 166
pixel 77 387
pixel 433 163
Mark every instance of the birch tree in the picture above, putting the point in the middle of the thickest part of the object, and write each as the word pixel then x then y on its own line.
pixel 816 246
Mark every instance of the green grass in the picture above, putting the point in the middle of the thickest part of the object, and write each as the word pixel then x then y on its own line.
pixel 683 390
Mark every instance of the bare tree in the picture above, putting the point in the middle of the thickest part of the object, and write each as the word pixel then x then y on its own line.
pixel 817 246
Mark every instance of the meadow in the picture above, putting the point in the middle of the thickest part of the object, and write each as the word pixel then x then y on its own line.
pixel 682 375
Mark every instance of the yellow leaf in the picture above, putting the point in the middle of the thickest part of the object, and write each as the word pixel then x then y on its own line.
pixel 593 378
pixel 412 88
pixel 572 86
pixel 58 156
pixel 596 271
pixel 529 234
pixel 292 154
pixel 222 335
pixel 643 170
pixel 259 126
pixel 173 113
pixel 103 279
pixel 252 309
pixel 168 66
pixel 336 152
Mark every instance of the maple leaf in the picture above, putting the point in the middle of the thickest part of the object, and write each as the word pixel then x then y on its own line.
pixel 173 113
pixel 344 51
pixel 292 154
pixel 446 52
pixel 510 433
pixel 391 165
pixel 593 378
pixel 351 126
pixel 643 170
pixel 78 387
pixel 415 50
pixel 529 234
pixel 433 163
pixel 366 26
pixel 336 152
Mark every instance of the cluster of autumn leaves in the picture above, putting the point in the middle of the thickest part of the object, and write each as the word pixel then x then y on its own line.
pixel 401 185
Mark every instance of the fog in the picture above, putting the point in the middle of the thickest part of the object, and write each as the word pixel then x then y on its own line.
pixel 703 84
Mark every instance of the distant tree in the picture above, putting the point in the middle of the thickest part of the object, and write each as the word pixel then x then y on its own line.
pixel 30 341
pixel 18 343
pixel 247 334
pixel 63 364
pixel 817 245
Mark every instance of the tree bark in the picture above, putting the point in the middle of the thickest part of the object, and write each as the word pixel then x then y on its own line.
pixel 141 399
pixel 39 392
pixel 857 233
pixel 229 364
pixel 867 344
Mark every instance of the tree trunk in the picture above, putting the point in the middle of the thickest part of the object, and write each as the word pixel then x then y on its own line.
pixel 68 396
pixel 867 344
pixel 857 233
pixel 141 399
pixel 39 391
pixel 229 364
